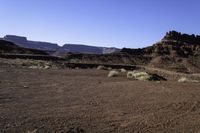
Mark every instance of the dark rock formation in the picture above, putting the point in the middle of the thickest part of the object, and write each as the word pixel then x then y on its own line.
pixel 134 52
pixel 182 38
pixel 173 44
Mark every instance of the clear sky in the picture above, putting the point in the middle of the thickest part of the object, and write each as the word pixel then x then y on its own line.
pixel 117 23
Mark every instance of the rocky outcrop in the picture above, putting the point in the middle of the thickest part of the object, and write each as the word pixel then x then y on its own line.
pixel 177 44
pixel 182 38
pixel 173 44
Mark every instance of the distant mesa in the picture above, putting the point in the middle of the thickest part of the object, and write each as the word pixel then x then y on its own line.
pixel 23 42
pixel 17 39
pixel 88 49
pixel 55 49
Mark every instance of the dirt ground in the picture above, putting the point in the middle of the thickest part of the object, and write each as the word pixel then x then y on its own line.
pixel 66 100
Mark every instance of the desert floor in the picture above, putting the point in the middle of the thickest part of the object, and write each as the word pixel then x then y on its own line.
pixel 85 100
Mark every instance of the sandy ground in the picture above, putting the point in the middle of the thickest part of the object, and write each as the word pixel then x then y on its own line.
pixel 72 101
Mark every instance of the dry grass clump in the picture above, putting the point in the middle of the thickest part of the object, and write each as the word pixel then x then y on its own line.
pixel 113 73
pixel 187 80
pixel 40 66
pixel 109 68
pixel 33 64
pixel 34 67
pixel 130 74
pixel 122 70
pixel 144 76
pixel 101 67
pixel 33 131
pixel 46 67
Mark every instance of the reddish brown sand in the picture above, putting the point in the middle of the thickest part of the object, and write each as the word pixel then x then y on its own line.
pixel 64 100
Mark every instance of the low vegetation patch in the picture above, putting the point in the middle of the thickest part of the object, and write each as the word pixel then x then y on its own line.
pixel 130 74
pixel 187 80
pixel 123 70
pixel 101 68
pixel 28 63
pixel 144 76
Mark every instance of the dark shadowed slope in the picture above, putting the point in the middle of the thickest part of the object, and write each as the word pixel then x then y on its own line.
pixel 10 48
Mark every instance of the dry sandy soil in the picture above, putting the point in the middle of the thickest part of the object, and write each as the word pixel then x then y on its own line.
pixel 64 100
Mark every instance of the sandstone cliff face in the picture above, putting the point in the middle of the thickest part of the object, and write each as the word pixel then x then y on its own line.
pixel 177 44
pixel 175 49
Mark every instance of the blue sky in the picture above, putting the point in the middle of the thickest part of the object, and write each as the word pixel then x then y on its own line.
pixel 116 23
